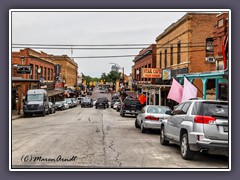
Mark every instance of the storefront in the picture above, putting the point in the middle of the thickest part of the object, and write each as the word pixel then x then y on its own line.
pixel 220 78
pixel 19 89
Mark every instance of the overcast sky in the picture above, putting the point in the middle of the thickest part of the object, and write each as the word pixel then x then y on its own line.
pixel 91 28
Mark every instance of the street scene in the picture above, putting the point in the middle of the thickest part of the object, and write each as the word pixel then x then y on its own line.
pixel 120 103
pixel 98 138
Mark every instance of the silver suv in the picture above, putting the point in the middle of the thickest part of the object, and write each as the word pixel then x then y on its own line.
pixel 197 125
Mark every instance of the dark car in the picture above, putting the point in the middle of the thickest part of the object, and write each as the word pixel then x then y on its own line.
pixel 119 106
pixel 87 102
pixel 51 108
pixel 102 102
pixel 131 106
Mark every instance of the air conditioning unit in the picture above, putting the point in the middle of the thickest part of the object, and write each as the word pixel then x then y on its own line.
pixel 210 59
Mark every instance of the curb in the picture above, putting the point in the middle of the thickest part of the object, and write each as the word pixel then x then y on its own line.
pixel 16 117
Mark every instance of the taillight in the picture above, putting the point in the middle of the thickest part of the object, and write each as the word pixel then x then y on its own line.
pixel 152 118
pixel 204 119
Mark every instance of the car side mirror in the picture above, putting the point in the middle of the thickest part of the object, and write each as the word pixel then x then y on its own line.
pixel 169 112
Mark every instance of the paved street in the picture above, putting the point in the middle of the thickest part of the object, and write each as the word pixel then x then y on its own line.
pixel 95 138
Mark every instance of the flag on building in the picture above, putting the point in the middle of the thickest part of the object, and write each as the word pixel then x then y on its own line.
pixel 189 90
pixel 175 92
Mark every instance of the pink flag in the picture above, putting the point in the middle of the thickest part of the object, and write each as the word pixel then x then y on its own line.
pixel 189 90
pixel 175 92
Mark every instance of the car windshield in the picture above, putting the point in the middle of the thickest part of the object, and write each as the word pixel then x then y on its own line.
pixel 157 110
pixel 58 102
pixel 86 100
pixel 34 97
pixel 215 109
pixel 68 100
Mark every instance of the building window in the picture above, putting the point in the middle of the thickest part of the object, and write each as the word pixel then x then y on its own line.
pixel 41 71
pixel 31 73
pixel 52 74
pixel 36 72
pixel 179 52
pixel 165 59
pixel 45 73
pixel 161 59
pixel 171 54
pixel 220 23
pixel 48 74
pixel 209 45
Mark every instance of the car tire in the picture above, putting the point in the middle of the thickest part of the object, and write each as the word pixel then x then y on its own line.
pixel 136 124
pixel 96 107
pixel 25 114
pixel 143 129
pixel 61 108
pixel 163 140
pixel 186 153
pixel 43 113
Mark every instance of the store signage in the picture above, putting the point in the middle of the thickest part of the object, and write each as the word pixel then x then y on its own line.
pixel 166 74
pixel 24 69
pixel 151 72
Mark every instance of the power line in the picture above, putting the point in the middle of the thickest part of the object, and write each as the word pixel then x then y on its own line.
pixel 112 48
pixel 105 56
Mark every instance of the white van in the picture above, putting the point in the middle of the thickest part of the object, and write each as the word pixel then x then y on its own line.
pixel 36 102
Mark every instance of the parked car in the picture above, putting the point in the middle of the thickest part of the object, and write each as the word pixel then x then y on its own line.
pixel 59 105
pixel 70 102
pixel 113 101
pixel 51 108
pixel 75 102
pixel 130 106
pixel 102 102
pixel 119 106
pixel 36 102
pixel 197 126
pixel 87 102
pixel 116 104
pixel 151 117
pixel 65 103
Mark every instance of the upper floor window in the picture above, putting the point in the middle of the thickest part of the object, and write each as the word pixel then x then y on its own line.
pixel 179 52
pixel 31 73
pixel 209 44
pixel 161 59
pixel 220 23
pixel 165 59
pixel 171 55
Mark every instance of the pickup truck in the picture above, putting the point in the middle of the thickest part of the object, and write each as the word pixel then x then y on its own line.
pixel 130 106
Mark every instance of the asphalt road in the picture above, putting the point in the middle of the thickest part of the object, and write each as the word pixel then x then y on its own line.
pixel 95 138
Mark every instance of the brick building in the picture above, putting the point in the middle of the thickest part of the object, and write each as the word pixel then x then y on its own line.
pixel 69 69
pixel 220 39
pixel 187 47
pixel 145 59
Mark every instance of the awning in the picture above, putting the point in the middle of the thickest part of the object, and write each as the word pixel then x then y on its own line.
pixel 54 92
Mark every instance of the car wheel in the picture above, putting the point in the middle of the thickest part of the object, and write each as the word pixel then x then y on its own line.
pixel 163 140
pixel 25 114
pixel 47 112
pixel 136 124
pixel 43 113
pixel 143 130
pixel 185 151
pixel 96 107
pixel 61 108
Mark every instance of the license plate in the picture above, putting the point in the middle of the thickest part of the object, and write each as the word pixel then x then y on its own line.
pixel 225 128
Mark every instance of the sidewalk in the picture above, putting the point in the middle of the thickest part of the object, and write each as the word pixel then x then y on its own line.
pixel 15 115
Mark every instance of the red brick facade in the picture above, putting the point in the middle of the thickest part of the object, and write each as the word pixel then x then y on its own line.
pixel 145 59
pixel 183 45
pixel 37 61
pixel 219 34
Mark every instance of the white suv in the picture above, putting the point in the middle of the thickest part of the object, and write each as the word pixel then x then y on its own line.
pixel 197 125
